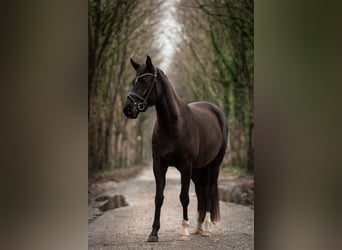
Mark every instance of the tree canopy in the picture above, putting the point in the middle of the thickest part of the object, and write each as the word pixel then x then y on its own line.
pixel 213 61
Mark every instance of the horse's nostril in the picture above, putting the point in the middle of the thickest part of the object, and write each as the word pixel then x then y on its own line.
pixel 128 111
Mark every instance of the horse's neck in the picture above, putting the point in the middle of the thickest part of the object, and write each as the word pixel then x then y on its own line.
pixel 169 107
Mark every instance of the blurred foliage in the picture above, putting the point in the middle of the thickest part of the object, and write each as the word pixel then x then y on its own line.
pixel 117 30
pixel 214 61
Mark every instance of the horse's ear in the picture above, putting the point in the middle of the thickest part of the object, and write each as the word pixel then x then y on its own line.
pixel 134 64
pixel 149 64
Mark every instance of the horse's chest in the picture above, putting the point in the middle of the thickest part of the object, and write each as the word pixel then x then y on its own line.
pixel 170 151
pixel 165 148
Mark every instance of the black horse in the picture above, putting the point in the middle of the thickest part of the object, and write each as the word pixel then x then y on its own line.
pixel 191 137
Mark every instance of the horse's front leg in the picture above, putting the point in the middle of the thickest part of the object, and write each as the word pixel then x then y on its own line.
pixel 159 175
pixel 184 198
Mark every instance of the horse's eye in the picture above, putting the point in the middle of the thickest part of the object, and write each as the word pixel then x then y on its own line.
pixel 142 83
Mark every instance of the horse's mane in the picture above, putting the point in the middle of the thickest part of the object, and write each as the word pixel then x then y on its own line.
pixel 162 74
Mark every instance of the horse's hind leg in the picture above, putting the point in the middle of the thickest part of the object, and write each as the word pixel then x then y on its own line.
pixel 210 206
pixel 211 194
pixel 199 177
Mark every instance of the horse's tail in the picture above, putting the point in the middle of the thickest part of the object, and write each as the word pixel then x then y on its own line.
pixel 214 172
pixel 215 206
pixel 215 166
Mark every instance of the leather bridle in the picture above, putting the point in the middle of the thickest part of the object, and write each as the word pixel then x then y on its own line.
pixel 142 106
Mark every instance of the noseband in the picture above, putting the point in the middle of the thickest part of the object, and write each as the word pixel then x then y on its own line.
pixel 142 106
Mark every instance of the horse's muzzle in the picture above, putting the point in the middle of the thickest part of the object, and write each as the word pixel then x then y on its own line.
pixel 130 111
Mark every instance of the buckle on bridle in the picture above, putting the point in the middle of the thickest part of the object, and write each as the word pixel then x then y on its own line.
pixel 141 106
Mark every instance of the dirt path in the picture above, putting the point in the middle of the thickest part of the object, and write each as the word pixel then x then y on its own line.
pixel 128 227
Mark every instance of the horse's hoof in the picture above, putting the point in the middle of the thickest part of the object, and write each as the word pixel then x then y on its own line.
pixel 152 238
pixel 206 234
pixel 184 237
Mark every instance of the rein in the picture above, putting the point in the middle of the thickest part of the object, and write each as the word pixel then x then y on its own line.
pixel 142 106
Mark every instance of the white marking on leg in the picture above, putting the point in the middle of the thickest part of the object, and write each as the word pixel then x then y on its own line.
pixel 206 224
pixel 199 229
pixel 185 225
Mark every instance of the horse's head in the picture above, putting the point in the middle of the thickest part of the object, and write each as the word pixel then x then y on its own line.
pixel 141 95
